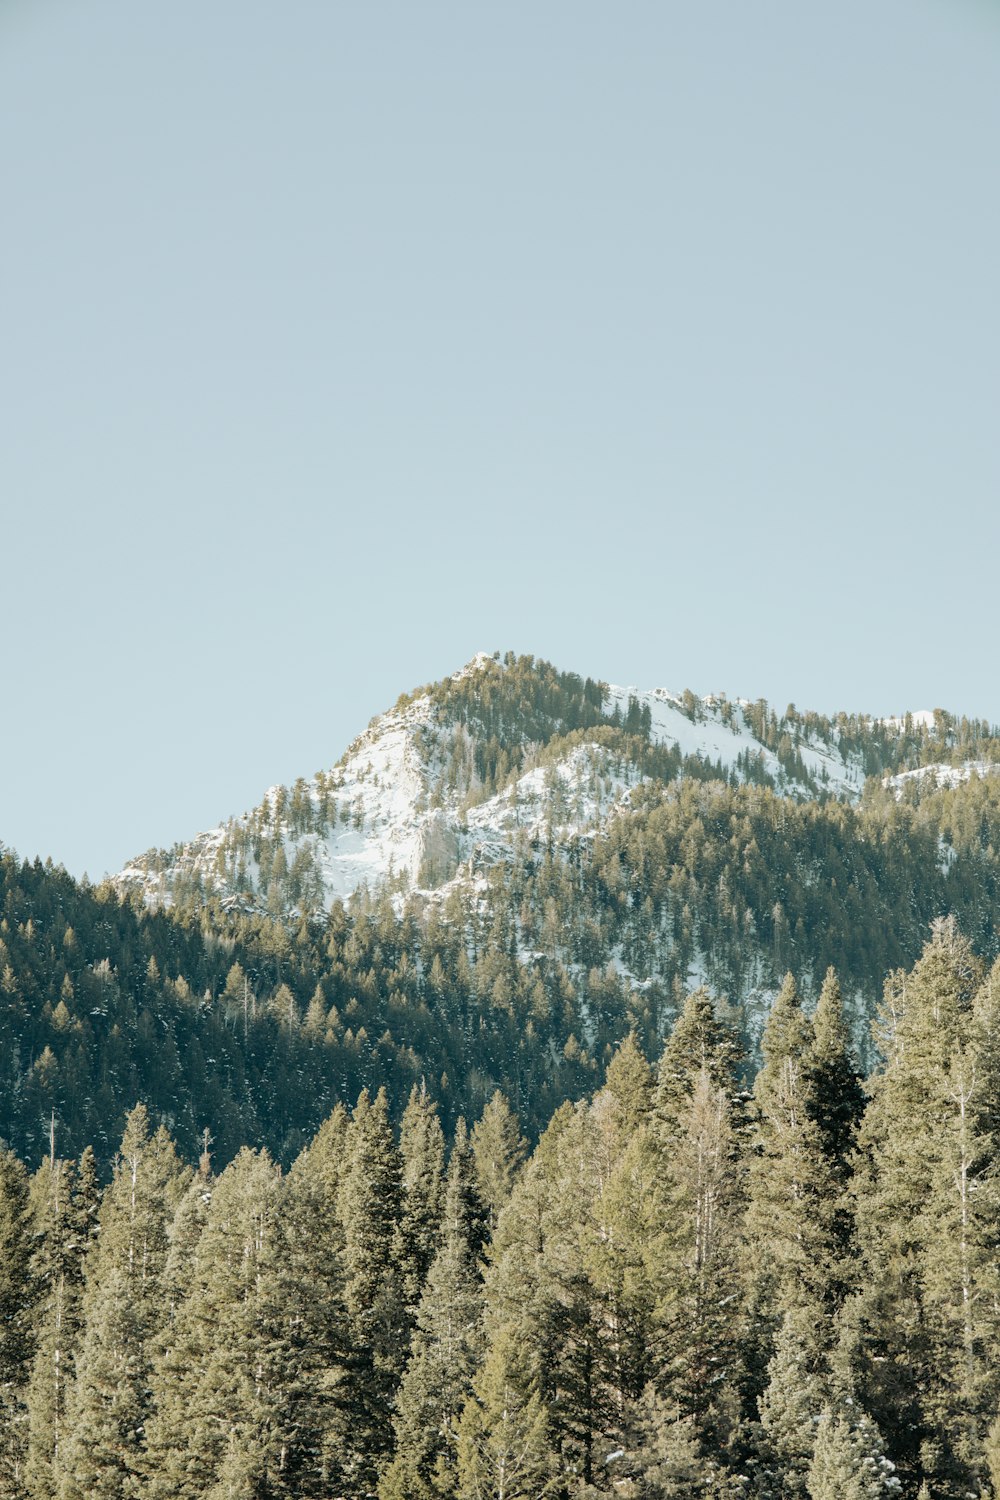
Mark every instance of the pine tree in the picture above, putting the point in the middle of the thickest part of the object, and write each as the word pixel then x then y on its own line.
pixel 836 1099
pixel 468 1199
pixel 790 1409
pixel 503 1451
pixel 308 1364
pixel 668 1461
pixel 421 1145
pixel 629 1081
pixel 500 1150
pixel 61 1214
pixel 123 1309
pixel 17 1338
pixel 991 1454
pixel 184 1236
pixel 696 1254
pixel 794 1194
pixel 924 1322
pixel 445 1351
pixel 550 1291
pixel 518 1280
pixel 600 1301
pixel 324 1158
pixel 788 1035
pixel 847 1462
pixel 369 1204
pixel 699 1043
pixel 206 1385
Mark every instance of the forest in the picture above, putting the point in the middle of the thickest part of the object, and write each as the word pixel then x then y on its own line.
pixel 692 1285
pixel 654 1155
pixel 523 979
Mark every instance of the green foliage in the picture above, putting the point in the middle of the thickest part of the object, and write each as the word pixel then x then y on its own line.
pixel 790 1410
pixel 629 1082
pixel 250 1388
pixel 847 1462
pixel 924 1321
pixel 17 1330
pixel 123 1310
pixel 421 1145
pixel 699 1043
pixel 64 1205
pixel 794 1188
pixel 678 1292
pixel 446 1348
pixel 668 1460
pixel 503 1452
pixel 498 1149
pixel 515 702
pixel 223 1015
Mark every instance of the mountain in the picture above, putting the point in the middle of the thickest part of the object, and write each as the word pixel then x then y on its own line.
pixel 504 875
pixel 457 776
pixel 458 797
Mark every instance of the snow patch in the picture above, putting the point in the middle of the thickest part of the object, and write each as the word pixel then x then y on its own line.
pixel 941 775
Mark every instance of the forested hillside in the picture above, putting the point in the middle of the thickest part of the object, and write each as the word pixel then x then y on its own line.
pixel 335 1165
pixel 691 1287
pixel 611 869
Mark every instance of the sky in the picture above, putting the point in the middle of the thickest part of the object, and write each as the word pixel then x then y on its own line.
pixel 340 342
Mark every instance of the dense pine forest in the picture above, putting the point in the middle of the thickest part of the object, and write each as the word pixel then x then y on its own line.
pixel 452 1124
pixel 688 1288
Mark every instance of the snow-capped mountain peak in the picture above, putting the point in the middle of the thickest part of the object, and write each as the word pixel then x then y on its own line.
pixel 460 774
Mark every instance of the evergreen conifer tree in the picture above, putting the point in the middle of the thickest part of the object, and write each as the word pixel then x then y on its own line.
pixel 847 1462
pixel 370 1206
pixel 924 1322
pixel 61 1217
pixel 324 1158
pixel 629 1081
pixel 17 1336
pixel 123 1309
pixel 835 1101
pixel 696 1253
pixel 499 1150
pixel 503 1450
pixel 836 1098
pixel 421 1145
pixel 794 1194
pixel 445 1351
pixel 207 1388
pixel 790 1409
pixel 699 1042
pixel 668 1460
pixel 309 1362
pixel 991 1454
pixel 184 1235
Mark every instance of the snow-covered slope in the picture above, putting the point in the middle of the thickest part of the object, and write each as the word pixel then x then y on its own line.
pixel 719 731
pixel 939 775
pixel 385 822
pixel 405 806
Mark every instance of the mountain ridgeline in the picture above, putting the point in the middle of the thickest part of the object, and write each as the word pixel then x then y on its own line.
pixel 505 875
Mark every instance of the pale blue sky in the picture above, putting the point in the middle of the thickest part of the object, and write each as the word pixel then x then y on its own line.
pixel 339 342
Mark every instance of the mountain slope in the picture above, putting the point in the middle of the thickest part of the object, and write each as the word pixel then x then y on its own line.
pixel 503 877
pixel 657 840
pixel 447 781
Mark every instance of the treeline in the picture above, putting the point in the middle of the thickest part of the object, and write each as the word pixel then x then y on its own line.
pixel 487 725
pixel 255 1027
pixel 256 1030
pixel 688 1289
